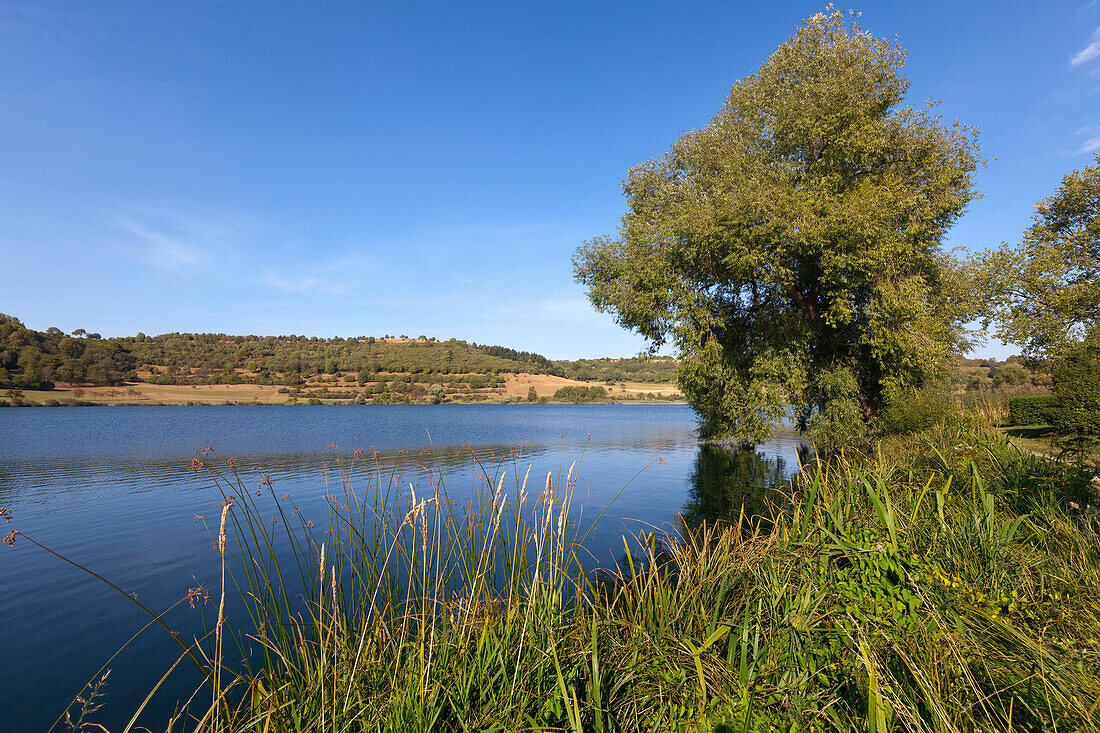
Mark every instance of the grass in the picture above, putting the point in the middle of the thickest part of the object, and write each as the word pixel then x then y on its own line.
pixel 948 582
pixel 141 393
pixel 1044 441
pixel 1035 438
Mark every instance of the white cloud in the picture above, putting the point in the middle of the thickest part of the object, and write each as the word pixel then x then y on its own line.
pixel 1090 145
pixel 178 241
pixel 305 284
pixel 1089 52
pixel 161 249
pixel 337 275
pixel 235 250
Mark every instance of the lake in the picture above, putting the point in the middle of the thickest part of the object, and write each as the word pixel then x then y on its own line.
pixel 112 488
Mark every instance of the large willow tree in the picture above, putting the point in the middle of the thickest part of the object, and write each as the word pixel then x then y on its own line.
pixel 791 249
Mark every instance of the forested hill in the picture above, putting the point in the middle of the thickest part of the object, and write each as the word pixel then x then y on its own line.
pixel 39 359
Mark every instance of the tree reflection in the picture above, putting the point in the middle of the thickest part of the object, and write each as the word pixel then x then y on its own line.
pixel 727 479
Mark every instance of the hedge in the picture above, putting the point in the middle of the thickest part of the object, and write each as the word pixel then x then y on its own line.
pixel 1034 410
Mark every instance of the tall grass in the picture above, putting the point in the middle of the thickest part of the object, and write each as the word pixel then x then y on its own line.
pixel 944 587
pixel 417 614
pixel 947 583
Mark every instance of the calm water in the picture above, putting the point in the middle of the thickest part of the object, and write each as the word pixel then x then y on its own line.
pixel 112 489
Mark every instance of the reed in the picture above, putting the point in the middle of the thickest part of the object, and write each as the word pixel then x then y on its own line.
pixel 957 592
pixel 949 582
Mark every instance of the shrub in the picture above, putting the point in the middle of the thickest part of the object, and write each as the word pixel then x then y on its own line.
pixel 1077 386
pixel 1033 410
pixel 1011 374
pixel 581 394
pixel 913 410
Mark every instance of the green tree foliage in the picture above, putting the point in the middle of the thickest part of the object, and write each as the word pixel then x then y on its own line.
pixel 642 368
pixel 36 360
pixel 1044 293
pixel 1011 374
pixel 1077 384
pixel 532 394
pixel 791 249
pixel 581 394
pixel 914 410
pixel 390 372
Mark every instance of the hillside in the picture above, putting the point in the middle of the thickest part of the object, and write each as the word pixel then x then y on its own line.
pixel 188 367
pixel 656 369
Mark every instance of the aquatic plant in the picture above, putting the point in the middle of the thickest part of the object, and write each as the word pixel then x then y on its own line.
pixel 948 582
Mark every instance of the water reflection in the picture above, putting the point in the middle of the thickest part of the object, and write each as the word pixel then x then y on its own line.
pixel 728 480
pixel 114 489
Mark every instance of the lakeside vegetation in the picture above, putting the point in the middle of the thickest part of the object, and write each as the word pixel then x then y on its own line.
pixel 945 580
pixel 920 573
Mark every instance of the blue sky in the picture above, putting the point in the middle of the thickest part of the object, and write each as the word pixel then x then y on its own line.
pixel 428 168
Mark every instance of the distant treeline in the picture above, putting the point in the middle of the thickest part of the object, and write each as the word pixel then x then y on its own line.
pixel 38 359
pixel 639 368
pixel 1011 375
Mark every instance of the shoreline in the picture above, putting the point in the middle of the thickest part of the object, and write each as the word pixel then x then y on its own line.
pixel 5 404
pixel 513 390
pixel 39 398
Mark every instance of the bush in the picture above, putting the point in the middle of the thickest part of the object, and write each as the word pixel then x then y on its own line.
pixel 913 410
pixel 581 394
pixel 1033 410
pixel 1010 374
pixel 1077 386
